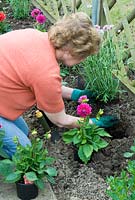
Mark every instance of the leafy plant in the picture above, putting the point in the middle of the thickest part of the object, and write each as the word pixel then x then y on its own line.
pixel 29 164
pixel 20 9
pixel 40 19
pixel 122 187
pixel 4 26
pixel 98 68
pixel 87 138
pixel 131 153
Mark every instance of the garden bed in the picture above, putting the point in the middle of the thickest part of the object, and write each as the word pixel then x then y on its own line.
pixel 76 181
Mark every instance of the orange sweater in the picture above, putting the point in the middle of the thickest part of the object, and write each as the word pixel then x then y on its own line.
pixel 29 74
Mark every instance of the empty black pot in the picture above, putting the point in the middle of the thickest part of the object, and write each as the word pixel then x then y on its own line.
pixel 26 191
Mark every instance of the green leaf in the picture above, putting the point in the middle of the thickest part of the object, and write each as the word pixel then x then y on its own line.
pixel 84 141
pixel 67 139
pixel 31 176
pixel 40 184
pixel 102 144
pixel 51 171
pixel 128 154
pixel 103 133
pixel 50 179
pixel 132 148
pixel 77 139
pixel 47 161
pixel 3 154
pixel 95 147
pixel 40 145
pixel 6 167
pixel 72 132
pixel 13 177
pixel 87 150
pixel 82 155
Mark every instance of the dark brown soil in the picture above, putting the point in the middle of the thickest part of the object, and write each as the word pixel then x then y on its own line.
pixel 104 163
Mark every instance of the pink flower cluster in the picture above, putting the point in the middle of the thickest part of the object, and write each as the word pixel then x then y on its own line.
pixel 104 28
pixel 37 14
pixel 84 109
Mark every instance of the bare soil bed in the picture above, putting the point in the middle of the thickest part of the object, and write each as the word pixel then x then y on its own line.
pixel 76 181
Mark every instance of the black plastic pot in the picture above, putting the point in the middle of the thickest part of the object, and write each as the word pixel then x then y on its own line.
pixel 26 191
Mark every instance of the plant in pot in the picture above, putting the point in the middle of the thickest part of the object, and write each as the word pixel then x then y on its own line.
pixel 28 168
pixel 87 138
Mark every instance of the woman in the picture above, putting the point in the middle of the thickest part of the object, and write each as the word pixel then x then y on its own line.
pixel 30 74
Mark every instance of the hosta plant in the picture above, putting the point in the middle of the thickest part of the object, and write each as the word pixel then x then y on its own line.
pixel 30 164
pixel 88 138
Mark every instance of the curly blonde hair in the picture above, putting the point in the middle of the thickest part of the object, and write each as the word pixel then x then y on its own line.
pixel 75 33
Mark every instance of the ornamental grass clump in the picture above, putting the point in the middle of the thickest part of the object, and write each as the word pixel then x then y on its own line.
pixel 20 8
pixel 87 138
pixel 97 69
pixel 39 18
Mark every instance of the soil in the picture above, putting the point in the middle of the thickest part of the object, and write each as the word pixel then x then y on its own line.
pixel 76 181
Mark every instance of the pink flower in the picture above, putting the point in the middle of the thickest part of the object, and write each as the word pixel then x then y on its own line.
pixel 97 27
pixel 41 19
pixel 83 99
pixel 107 27
pixel 84 109
pixel 26 181
pixel 0 126
pixel 35 12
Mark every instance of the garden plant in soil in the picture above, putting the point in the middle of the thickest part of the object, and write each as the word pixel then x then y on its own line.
pixel 77 181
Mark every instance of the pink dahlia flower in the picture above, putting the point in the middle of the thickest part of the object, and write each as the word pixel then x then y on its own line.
pixel 41 19
pixel 83 99
pixel 35 12
pixel 84 109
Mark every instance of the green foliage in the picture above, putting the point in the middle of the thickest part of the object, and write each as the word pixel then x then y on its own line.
pixel 4 27
pixel 87 139
pixel 2 153
pixel 64 71
pixel 131 153
pixel 31 162
pixel 122 187
pixel 97 72
pixel 21 8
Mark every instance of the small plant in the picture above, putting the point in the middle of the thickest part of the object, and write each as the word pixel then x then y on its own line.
pixel 40 19
pixel 20 9
pixel 122 187
pixel 87 138
pixel 30 164
pixel 98 68
pixel 4 26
